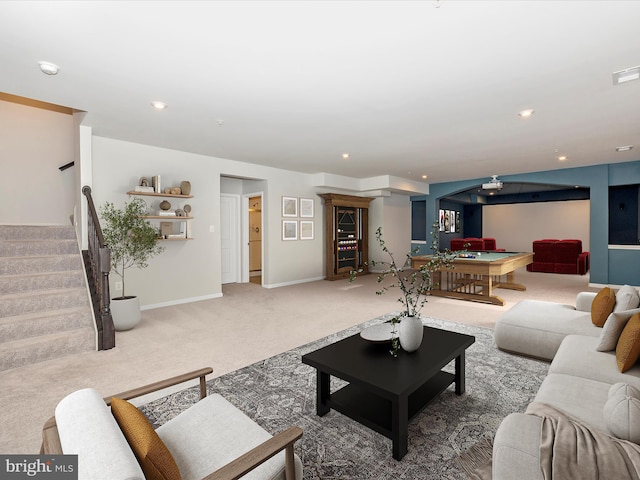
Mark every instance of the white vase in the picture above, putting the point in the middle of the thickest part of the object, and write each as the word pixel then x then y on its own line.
pixel 125 313
pixel 410 333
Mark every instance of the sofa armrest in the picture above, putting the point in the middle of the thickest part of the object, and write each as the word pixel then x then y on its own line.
pixel 584 301
pixel 260 454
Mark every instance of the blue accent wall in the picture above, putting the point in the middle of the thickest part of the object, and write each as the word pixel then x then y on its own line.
pixel 612 267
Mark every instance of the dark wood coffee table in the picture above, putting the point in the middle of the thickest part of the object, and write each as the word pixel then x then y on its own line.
pixel 385 393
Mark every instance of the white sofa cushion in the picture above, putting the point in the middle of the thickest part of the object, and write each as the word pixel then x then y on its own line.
pixel 86 428
pixel 516 448
pixel 577 356
pixel 211 433
pixel 622 416
pixel 537 328
pixel 622 388
pixel 626 299
pixel 582 398
pixel 613 328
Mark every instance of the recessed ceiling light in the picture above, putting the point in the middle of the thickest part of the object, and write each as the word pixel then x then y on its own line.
pixel 562 158
pixel 345 155
pixel 626 75
pixel 48 68
pixel 424 176
pixel 159 105
pixel 526 113
pixel 624 148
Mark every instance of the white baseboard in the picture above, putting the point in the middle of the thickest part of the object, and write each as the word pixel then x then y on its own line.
pixel 295 282
pixel 180 301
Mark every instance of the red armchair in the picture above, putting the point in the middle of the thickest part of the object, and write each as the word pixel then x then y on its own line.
pixel 559 256
pixel 474 243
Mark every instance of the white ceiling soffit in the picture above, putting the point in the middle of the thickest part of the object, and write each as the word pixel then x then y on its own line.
pixel 407 88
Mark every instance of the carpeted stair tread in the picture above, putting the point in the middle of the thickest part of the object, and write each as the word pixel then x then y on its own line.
pixel 41 281
pixel 43 323
pixel 45 347
pixel 50 263
pixel 32 302
pixel 31 232
pixel 37 247
pixel 45 310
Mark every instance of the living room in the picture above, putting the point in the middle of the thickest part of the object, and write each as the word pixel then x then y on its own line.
pixel 189 274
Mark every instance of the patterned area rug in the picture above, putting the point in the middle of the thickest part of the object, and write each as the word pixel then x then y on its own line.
pixel 280 391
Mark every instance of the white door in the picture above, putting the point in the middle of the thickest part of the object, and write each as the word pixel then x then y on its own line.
pixel 229 238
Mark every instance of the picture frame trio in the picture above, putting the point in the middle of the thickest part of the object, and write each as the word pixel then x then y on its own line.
pixel 449 221
pixel 294 207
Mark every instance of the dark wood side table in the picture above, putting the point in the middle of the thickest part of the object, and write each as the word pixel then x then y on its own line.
pixel 385 393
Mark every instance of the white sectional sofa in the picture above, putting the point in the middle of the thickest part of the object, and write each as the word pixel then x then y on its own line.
pixel 581 380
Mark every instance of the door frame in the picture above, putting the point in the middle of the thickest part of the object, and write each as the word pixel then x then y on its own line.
pixel 236 257
pixel 244 221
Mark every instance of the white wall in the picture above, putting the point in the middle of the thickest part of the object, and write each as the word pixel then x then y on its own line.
pixel 35 142
pixel 191 269
pixel 516 226
pixel 393 214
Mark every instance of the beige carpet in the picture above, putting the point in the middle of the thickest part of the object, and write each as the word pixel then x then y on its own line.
pixel 247 324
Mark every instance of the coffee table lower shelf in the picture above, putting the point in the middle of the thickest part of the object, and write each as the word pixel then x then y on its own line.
pixel 375 412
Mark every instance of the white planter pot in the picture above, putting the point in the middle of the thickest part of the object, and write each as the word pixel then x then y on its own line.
pixel 125 313
pixel 410 333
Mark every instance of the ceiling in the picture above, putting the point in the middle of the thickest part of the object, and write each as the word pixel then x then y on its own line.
pixel 405 88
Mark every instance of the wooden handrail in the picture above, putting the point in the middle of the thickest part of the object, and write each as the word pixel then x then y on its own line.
pixel 98 263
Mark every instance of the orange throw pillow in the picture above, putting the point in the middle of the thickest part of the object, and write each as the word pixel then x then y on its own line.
pixel 154 457
pixel 628 348
pixel 602 306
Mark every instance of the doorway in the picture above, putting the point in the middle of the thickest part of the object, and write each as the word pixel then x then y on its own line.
pixel 255 239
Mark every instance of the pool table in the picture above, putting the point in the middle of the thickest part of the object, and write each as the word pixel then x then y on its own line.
pixel 474 278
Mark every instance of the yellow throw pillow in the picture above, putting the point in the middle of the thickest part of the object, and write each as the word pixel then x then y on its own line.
pixel 154 457
pixel 628 348
pixel 602 306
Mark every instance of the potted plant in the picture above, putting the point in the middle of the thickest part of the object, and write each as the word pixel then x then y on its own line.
pixel 132 242
pixel 415 286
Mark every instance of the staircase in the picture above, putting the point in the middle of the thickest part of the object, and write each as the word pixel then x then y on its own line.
pixel 45 311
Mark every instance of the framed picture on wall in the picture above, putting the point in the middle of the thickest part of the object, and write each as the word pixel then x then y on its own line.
pixel 452 221
pixel 289 230
pixel 306 207
pixel 446 221
pixel 289 206
pixel 306 229
pixel 441 220
pixel 458 222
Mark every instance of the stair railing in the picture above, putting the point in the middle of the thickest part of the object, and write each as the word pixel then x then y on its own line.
pixel 98 264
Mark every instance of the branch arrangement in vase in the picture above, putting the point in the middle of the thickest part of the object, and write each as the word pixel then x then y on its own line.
pixel 415 284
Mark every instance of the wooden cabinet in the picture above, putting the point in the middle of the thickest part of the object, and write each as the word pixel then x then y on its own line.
pixel 346 234
pixel 184 227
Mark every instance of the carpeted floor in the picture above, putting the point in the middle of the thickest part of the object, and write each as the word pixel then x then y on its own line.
pixel 280 391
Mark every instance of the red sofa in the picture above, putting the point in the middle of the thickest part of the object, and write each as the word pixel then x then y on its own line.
pixel 559 256
pixel 474 243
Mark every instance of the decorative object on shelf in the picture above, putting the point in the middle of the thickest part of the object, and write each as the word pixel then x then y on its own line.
pixel 167 191
pixel 415 287
pixel 165 205
pixel 156 183
pixel 289 207
pixel 132 242
pixel 187 208
pixel 180 212
pixel 185 186
pixel 175 191
pixel 144 182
